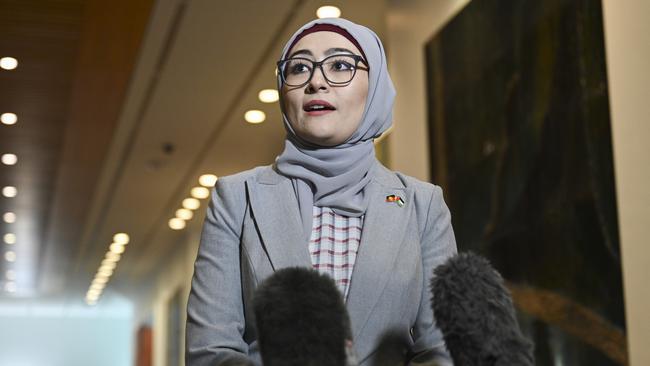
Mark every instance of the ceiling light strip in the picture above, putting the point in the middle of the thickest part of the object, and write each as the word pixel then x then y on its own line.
pixel 107 267
pixel 189 204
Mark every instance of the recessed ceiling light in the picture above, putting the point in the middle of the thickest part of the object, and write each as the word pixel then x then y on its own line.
pixel 8 63
pixel 97 285
pixel 200 192
pixel 328 12
pixel 92 300
pixel 113 257
pixel 9 238
pixel 10 275
pixel 191 203
pixel 100 279
pixel 106 271
pixel 254 116
pixel 116 248
pixel 9 217
pixel 8 118
pixel 93 294
pixel 10 287
pixel 9 191
pixel 121 238
pixel 108 264
pixel 10 256
pixel 107 267
pixel 208 180
pixel 9 159
pixel 184 214
pixel 268 95
pixel 176 223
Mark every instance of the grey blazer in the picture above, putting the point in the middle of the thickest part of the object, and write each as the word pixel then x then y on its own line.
pixel 253 228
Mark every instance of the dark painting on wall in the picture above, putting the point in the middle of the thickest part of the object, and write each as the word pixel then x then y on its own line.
pixel 520 142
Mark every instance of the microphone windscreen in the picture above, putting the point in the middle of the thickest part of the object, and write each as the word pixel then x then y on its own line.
pixel 473 309
pixel 301 320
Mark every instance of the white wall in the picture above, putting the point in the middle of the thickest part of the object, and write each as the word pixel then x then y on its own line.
pixel 627 44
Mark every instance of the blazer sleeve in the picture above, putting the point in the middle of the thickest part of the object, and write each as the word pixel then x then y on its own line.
pixel 438 243
pixel 215 315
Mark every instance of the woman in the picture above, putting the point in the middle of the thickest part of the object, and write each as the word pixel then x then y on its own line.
pixel 326 203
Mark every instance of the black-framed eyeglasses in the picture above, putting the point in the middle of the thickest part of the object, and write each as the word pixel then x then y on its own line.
pixel 337 69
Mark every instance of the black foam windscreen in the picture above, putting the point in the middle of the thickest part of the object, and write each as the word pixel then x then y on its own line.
pixel 301 320
pixel 474 311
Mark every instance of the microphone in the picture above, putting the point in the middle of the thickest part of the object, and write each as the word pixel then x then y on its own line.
pixel 473 309
pixel 301 320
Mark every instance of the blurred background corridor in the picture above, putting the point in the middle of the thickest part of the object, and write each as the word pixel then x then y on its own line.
pixel 119 116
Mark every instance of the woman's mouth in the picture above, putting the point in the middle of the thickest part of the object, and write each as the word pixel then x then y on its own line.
pixel 317 108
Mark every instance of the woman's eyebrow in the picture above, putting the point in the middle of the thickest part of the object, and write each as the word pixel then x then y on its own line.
pixel 301 52
pixel 330 51
pixel 338 50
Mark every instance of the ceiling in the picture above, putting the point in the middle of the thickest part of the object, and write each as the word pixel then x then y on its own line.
pixel 121 106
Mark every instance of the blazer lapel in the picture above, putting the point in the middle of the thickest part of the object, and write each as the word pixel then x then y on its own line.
pixel 275 210
pixel 382 236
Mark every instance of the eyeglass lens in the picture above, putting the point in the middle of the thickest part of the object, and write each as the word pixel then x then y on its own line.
pixel 338 69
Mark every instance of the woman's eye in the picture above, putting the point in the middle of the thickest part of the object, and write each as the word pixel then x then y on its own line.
pixel 341 66
pixel 298 68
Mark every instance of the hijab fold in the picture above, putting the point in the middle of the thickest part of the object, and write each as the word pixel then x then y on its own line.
pixel 336 177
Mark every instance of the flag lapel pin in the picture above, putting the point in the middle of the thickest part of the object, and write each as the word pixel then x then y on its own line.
pixel 396 199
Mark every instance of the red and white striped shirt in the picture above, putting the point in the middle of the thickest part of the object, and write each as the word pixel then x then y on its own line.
pixel 334 244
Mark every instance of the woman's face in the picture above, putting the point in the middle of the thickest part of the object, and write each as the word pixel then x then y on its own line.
pixel 345 103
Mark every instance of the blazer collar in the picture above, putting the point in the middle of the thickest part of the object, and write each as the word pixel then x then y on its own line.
pixel 269 176
pixel 384 228
pixel 275 210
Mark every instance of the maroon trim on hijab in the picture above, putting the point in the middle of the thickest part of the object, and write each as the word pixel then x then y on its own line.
pixel 326 28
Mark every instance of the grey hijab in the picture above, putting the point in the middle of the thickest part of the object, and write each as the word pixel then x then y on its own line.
pixel 336 176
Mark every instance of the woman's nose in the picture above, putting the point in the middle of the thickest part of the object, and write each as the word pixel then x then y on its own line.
pixel 318 81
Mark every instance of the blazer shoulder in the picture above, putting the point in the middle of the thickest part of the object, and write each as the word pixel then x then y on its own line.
pixel 420 186
pixel 237 180
pixel 230 190
pixel 423 191
pixel 428 198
